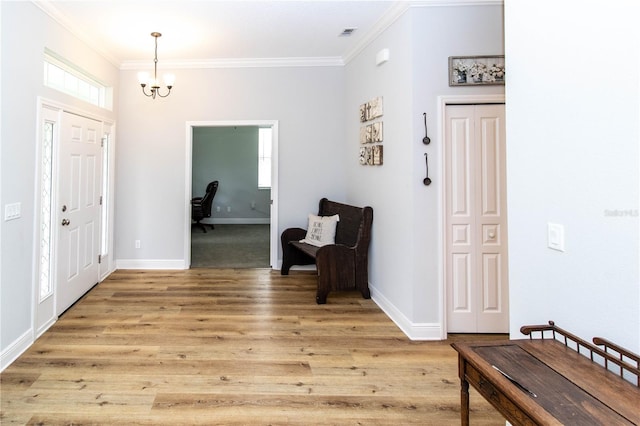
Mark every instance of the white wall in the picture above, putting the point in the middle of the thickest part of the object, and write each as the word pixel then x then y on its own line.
pixel 405 262
pixel 151 197
pixel 573 145
pixel 468 31
pixel 26 31
pixel 386 188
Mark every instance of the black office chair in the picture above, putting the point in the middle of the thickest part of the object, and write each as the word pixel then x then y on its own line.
pixel 201 206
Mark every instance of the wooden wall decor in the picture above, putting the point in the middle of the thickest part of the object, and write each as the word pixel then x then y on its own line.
pixel 371 132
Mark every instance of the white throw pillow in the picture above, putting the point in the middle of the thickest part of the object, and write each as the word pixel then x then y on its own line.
pixel 321 230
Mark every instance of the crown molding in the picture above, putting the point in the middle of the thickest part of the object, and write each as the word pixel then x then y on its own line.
pixel 439 3
pixel 237 63
pixel 48 8
pixel 394 12
pixel 398 9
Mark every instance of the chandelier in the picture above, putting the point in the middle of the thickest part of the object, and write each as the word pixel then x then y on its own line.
pixel 153 83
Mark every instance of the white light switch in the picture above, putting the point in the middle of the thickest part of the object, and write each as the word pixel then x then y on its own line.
pixel 12 211
pixel 555 236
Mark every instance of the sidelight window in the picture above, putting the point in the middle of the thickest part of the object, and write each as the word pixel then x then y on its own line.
pixel 46 182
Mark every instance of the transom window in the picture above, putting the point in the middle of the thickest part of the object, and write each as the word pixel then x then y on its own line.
pixel 61 75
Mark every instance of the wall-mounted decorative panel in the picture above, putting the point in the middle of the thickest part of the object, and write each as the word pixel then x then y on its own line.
pixel 371 133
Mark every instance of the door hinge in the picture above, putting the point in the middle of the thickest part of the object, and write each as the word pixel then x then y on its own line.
pixel 99 258
pixel 102 141
pixel 101 200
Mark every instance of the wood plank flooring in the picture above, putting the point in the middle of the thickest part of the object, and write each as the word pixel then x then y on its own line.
pixel 231 347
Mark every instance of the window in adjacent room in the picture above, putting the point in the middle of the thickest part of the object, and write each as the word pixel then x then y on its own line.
pixel 265 136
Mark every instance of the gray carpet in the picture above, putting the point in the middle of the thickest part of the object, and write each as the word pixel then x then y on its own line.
pixel 230 246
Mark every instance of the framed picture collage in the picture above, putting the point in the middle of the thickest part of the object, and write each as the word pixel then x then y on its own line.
pixel 371 132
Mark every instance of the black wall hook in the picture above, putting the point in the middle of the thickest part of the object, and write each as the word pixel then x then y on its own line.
pixel 426 180
pixel 426 139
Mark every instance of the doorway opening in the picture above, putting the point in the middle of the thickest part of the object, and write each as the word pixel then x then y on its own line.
pixel 242 157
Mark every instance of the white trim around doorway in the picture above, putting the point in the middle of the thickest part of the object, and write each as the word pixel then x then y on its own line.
pixel 274 236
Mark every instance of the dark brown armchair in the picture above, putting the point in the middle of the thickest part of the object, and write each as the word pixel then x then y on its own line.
pixel 201 206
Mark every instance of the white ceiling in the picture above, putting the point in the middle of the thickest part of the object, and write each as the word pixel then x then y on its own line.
pixel 210 31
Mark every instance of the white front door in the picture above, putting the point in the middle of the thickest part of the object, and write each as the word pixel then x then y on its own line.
pixel 475 219
pixel 78 242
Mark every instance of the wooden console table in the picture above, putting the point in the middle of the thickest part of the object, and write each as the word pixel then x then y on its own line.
pixel 553 379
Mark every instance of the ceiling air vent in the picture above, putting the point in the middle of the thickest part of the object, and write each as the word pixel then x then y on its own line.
pixel 347 32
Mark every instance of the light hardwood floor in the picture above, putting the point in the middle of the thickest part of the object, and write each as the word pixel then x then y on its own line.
pixel 231 347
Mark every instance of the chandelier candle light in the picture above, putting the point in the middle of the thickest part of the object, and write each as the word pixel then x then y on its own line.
pixel 144 79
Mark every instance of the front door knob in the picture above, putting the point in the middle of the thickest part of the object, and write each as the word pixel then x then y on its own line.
pixel 65 222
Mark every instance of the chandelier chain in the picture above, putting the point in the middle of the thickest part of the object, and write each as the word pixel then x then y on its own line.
pixel 155 84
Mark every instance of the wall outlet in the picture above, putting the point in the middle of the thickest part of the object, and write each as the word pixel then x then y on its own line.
pixel 228 209
pixel 253 205
pixel 217 208
pixel 137 244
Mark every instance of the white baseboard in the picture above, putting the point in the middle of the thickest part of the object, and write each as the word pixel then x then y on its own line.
pixel 151 264
pixel 106 274
pixel 15 349
pixel 414 331
pixel 238 221
pixel 40 331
